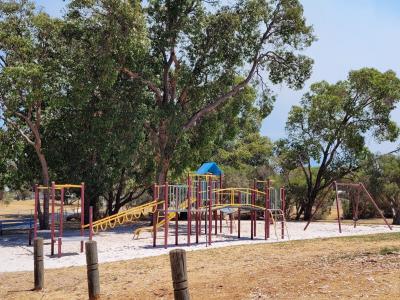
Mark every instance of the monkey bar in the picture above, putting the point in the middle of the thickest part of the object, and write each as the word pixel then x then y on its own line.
pixel 52 189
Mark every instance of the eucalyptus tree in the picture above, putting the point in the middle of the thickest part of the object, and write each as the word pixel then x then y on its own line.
pixel 199 55
pixel 327 131
pixel 30 80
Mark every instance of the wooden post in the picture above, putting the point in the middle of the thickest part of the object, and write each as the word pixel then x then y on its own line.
pixel 38 263
pixel 179 274
pixel 92 270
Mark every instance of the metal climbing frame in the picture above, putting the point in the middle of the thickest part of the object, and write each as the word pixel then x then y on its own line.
pixel 52 194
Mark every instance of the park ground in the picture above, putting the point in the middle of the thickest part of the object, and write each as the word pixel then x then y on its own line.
pixel 344 268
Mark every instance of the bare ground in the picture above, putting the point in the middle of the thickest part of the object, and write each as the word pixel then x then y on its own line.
pixel 345 268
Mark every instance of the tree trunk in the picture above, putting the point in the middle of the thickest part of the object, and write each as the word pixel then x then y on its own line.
pixel 308 206
pixel 43 217
pixel 163 170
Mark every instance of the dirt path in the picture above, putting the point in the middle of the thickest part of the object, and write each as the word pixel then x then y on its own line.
pixel 350 268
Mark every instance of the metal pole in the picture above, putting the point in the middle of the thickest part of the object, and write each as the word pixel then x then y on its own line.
pixel 197 210
pixel 155 199
pixel 189 210
pixel 61 223
pixel 220 201
pixel 52 235
pixel 376 206
pixel 283 199
pixel 90 223
pixel 337 207
pixel 209 210
pixel 267 206
pixel 166 215
pixel 254 203
pixel 35 214
pixel 82 213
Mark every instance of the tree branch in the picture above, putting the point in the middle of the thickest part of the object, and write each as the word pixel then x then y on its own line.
pixel 150 85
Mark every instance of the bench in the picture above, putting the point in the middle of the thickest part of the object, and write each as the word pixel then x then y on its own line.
pixel 18 224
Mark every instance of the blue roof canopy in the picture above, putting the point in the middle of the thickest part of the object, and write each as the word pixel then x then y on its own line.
pixel 209 167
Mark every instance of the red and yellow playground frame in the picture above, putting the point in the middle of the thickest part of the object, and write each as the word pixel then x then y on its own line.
pixel 60 238
pixel 204 195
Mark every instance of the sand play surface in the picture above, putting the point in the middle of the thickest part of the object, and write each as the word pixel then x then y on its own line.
pixel 118 244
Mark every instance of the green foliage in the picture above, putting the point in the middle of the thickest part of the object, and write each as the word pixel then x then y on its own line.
pixel 381 175
pixel 245 158
pixel 330 127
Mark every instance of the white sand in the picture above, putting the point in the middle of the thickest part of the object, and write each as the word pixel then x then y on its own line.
pixel 118 244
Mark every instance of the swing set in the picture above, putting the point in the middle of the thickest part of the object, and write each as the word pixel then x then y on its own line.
pixel 354 192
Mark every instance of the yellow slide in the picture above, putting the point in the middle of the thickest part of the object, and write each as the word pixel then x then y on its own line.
pixel 160 223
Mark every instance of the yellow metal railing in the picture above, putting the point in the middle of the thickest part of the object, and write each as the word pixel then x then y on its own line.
pixel 125 216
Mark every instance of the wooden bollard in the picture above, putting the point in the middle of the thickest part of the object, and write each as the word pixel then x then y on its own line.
pixel 179 274
pixel 92 270
pixel 38 263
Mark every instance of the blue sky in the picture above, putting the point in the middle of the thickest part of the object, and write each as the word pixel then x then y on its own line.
pixel 351 34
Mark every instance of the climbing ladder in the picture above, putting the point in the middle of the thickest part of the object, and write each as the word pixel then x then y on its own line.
pixel 125 216
pixel 277 216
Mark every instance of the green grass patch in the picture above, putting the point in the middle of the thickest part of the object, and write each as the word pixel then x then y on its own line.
pixel 389 250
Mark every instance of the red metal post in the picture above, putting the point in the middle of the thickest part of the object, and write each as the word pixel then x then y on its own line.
pixel 197 210
pixel 82 213
pixel 189 210
pixel 252 216
pixel 283 199
pixel 338 207
pixel 375 205
pixel 90 223
pixel 356 206
pixel 35 214
pixel 267 207
pixel 155 198
pixel 177 193
pixel 254 203
pixel 239 216
pixel 239 212
pixel 200 202
pixel 61 223
pixel 209 210
pixel 166 215
pixel 52 235
pixel 220 201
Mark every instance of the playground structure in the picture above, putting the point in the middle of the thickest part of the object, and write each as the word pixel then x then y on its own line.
pixel 354 192
pixel 203 199
pixel 51 190
pixel 203 196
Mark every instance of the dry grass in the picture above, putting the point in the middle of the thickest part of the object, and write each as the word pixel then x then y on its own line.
pixel 16 208
pixel 347 268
